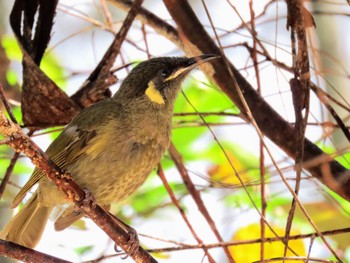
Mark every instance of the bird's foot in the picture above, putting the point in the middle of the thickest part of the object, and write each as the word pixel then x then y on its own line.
pixel 133 242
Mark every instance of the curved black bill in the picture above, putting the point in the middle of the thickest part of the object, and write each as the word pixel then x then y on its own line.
pixel 191 63
pixel 196 61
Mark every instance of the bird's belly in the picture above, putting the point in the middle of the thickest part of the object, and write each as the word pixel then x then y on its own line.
pixel 113 176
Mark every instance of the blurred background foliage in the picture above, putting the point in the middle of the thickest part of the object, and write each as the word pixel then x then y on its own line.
pixel 216 149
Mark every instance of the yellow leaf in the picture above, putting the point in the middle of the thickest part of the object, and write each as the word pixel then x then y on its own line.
pixel 225 174
pixel 328 216
pixel 80 224
pixel 251 252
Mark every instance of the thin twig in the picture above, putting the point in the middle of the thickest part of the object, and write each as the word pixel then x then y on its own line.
pixel 107 15
pixel 176 157
pixel 101 79
pixel 144 34
pixel 184 246
pixel 254 57
pixel 10 168
pixel 300 89
pixel 182 212
pixel 8 173
pixel 6 104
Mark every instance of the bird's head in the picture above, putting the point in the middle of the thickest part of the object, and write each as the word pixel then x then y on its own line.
pixel 158 80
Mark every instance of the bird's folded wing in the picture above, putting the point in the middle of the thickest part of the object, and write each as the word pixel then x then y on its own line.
pixel 66 149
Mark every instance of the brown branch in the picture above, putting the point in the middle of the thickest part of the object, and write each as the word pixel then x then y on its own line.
pixel 14 159
pixel 150 19
pixel 300 89
pixel 321 94
pixel 107 14
pixel 144 35
pixel 6 104
pixel 323 97
pixel 32 22
pixel 20 142
pixel 255 241
pixel 253 55
pixel 8 174
pixel 97 84
pixel 176 157
pixel 183 246
pixel 25 254
pixel 182 212
pixel 197 40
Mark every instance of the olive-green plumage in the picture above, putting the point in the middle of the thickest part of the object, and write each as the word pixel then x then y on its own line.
pixel 109 148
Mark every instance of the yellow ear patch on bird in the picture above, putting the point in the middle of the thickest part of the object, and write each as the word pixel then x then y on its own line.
pixel 153 94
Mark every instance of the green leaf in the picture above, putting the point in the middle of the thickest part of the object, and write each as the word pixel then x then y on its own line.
pixel 343 159
pixel 50 63
pixel 17 112
pixel 204 97
pixel 153 197
pixel 82 250
pixel 12 50
pixel 51 66
pixel 11 77
pixel 185 138
pixel 197 97
pixel 20 168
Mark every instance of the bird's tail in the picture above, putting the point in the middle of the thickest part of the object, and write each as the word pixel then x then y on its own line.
pixel 27 226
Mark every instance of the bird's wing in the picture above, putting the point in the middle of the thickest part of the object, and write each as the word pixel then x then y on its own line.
pixel 68 217
pixel 70 145
pixel 67 148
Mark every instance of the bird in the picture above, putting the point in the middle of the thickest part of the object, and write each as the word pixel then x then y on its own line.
pixel 110 147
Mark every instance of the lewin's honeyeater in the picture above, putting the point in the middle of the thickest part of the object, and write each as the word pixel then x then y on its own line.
pixel 109 148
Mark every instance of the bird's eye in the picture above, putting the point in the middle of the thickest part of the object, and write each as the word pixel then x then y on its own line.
pixel 165 73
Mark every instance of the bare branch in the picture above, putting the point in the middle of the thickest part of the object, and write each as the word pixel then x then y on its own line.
pixel 181 211
pixel 176 157
pixel 96 86
pixel 332 174
pixel 25 254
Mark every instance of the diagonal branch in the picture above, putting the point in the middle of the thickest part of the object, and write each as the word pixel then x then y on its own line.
pixel 197 40
pixel 278 130
pixel 20 142
pixel 176 157
pixel 8 174
pixel 182 212
pixel 97 84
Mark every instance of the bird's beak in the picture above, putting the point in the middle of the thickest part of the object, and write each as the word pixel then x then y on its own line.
pixel 191 64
